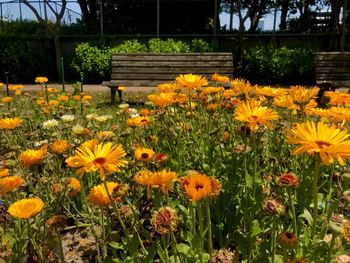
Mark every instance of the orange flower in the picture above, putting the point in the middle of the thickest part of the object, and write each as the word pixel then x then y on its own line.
pixel 10 123
pixel 74 186
pixel 41 80
pixel 10 183
pixel 32 157
pixel 199 186
pixel 6 99
pixel 26 208
pixel 143 154
pixel 162 179
pixel 4 172
pixel 60 146
pixel 98 195
pixel 139 121
pixel 191 81
pixel 218 78
pixel 104 157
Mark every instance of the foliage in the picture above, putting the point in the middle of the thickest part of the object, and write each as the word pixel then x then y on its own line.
pixel 157 45
pixel 199 45
pixel 130 46
pixel 278 65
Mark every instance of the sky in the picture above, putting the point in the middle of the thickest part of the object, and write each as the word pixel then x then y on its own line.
pixel 12 11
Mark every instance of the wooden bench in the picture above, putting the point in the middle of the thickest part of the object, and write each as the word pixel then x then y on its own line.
pixel 149 70
pixel 332 70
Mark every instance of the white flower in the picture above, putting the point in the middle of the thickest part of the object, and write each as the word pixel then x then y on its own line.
pixel 135 115
pixel 68 118
pixel 37 144
pixel 49 124
pixel 103 118
pixel 123 106
pixel 77 129
pixel 91 116
pixel 132 111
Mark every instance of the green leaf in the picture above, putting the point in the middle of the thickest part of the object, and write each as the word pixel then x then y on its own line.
pixel 116 245
pixel 183 248
pixel 256 230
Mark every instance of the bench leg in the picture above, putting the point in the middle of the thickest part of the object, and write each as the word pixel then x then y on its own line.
pixel 120 96
pixel 113 91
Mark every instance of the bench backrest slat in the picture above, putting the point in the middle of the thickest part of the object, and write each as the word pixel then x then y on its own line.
pixel 144 69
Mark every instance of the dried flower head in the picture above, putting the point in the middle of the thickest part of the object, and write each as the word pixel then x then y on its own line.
pixel 287 240
pixel 288 180
pixel 165 220
pixel 274 206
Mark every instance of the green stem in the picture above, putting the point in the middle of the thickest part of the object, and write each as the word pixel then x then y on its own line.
pixel 273 238
pixel 330 250
pixel 200 226
pixel 60 246
pixel 173 246
pixel 329 193
pixel 210 238
pixel 315 196
pixel 104 248
pixel 292 208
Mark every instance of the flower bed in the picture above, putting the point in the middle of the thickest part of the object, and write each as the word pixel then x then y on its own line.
pixel 199 173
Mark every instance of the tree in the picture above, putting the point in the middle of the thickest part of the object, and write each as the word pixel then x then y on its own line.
pixel 53 27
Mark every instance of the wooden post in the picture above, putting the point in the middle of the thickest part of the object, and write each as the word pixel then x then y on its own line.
pixel 113 92
pixel 158 17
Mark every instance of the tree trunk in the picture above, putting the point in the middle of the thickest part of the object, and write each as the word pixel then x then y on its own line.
pixel 231 15
pixel 343 28
pixel 254 22
pixel 58 54
pixel 284 12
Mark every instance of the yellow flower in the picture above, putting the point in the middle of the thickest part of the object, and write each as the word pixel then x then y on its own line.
pixel 191 81
pixel 53 102
pixel 1 84
pixel 91 156
pixel 212 90
pixel 86 98
pixel 338 98
pixel 6 99
pixel 139 121
pixel 143 154
pixel 255 115
pixel 270 92
pixel 121 88
pixel 302 95
pixel 10 183
pixel 60 146
pixel 41 80
pixel 197 186
pixel 98 195
pixel 241 86
pixel 327 141
pixel 74 186
pixel 18 92
pixel 285 102
pixel 346 231
pixel 10 123
pixel 51 90
pixel 16 87
pixel 26 208
pixel 105 134
pixel 40 101
pixel 218 78
pixel 4 172
pixel 161 179
pixel 161 99
pixel 32 157
pixel 339 114
pixel 168 87
pixel 63 98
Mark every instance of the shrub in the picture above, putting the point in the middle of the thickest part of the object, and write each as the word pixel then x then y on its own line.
pixel 200 45
pixel 130 46
pixel 170 45
pixel 278 65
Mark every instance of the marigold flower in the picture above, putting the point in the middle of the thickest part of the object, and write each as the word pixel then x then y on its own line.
pixel 162 99
pixel 165 220
pixel 161 179
pixel 302 95
pixel 10 123
pixel 197 186
pixel 287 240
pixel 63 98
pixel 41 80
pixel 328 141
pixel 139 121
pixel 270 92
pixel 91 156
pixel 346 231
pixel 60 146
pixel 255 115
pixel 168 87
pixel 4 172
pixel 287 180
pixel 73 186
pixel 98 195
pixel 338 98
pixel 10 183
pixel 32 157
pixel 191 81
pixel 218 78
pixel 26 208
pixel 143 154
pixel 53 103
pixel 6 99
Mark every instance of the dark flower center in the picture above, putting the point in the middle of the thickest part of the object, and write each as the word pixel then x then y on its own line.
pixel 100 161
pixel 198 186
pixel 144 155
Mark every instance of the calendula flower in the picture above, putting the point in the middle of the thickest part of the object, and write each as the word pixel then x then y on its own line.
pixel 197 186
pixel 270 92
pixel 67 118
pixel 165 220
pixel 346 231
pixel 6 99
pixel 4 172
pixel 32 157
pixel 50 124
pixel 145 155
pixel 338 98
pixel 86 98
pixel 241 87
pixel 286 102
pixel 302 95
pixel 104 157
pixel 212 90
pixel 191 81
pixel 63 98
pixel 121 88
pixel 9 184
pixel 10 123
pixel 99 196
pixel 288 180
pixel 287 240
pixel 162 99
pixel 105 134
pixel 60 146
pixel 168 87
pixel 26 208
pixel 254 115
pixel 139 121
pixel 41 80
pixel 73 186
pixel 162 179
pixel 329 142
pixel 51 90
pixel 218 78
pixel 274 207
pixel 16 87
pixel 40 101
